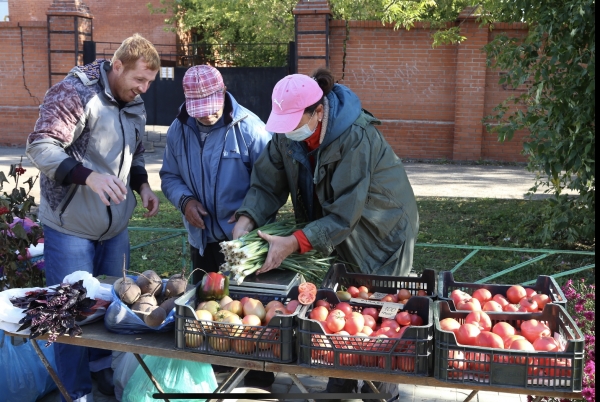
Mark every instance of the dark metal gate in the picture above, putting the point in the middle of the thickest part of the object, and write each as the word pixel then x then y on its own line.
pixel 250 86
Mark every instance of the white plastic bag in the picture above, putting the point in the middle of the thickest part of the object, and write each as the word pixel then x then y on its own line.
pixel 123 365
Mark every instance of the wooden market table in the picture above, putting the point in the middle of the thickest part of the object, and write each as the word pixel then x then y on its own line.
pixel 163 345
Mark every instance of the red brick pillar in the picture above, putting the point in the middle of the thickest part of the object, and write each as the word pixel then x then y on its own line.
pixel 312 35
pixel 470 89
pixel 69 25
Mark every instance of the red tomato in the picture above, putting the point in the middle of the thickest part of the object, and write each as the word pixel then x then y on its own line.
pixel 319 356
pixel 458 296
pixel 467 334
pixel 528 304
pixel 325 327
pixel 533 329
pixel 363 295
pixel 483 295
pixel 292 306
pixel 508 341
pixel 382 361
pixel 244 300
pixel 515 293
pixel 395 298
pixel 422 292
pixel 559 368
pixel 319 313
pixel 481 319
pixel 389 332
pixel 372 311
pixel 363 289
pixel 403 318
pixel 369 321
pixel 541 300
pixel 388 298
pixel 272 313
pixel 353 290
pixel 415 320
pixel 355 323
pixel 251 320
pixel 336 320
pixel 449 324
pixel 406 362
pixel 345 307
pixel 489 340
pixel 492 306
pixel 323 303
pixel 274 303
pixel 307 287
pixel 306 298
pixel 404 294
pixel 546 344
pixel 525 345
pixel 471 305
pixel 390 324
pixel 501 300
pixel 511 308
pixel 530 292
pixel 367 330
pixel 349 359
pixel 503 329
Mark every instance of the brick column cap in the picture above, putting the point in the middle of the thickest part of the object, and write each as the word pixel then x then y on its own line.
pixel 69 8
pixel 314 7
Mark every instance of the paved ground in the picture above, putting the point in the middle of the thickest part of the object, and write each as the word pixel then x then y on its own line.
pixel 427 179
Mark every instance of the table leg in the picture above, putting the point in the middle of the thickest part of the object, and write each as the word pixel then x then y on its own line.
pixel 51 371
pixel 471 396
pixel 228 379
pixel 300 386
pixel 374 389
pixel 149 374
pixel 226 388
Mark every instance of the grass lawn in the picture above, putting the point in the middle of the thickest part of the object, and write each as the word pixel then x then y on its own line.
pixel 460 221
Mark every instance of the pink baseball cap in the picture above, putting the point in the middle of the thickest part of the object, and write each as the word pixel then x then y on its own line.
pixel 204 91
pixel 291 95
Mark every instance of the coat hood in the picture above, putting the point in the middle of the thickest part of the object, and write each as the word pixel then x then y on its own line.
pixel 344 109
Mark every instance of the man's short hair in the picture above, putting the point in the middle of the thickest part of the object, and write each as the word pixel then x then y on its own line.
pixel 134 48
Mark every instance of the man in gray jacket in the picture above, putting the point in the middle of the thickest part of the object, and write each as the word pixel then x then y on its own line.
pixel 87 144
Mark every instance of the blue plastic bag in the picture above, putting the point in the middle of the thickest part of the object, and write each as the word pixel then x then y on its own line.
pixel 173 375
pixel 121 319
pixel 23 377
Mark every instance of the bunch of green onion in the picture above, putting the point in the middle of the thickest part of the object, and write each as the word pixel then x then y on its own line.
pixel 247 254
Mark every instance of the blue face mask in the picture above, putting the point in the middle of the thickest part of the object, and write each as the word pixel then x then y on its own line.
pixel 302 133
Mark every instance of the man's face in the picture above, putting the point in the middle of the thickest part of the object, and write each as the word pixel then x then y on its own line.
pixel 129 83
pixel 211 119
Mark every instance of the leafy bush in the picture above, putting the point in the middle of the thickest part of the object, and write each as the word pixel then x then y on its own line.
pixel 18 232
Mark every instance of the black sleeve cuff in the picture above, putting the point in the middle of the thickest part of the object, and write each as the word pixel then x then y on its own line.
pixel 138 176
pixel 63 173
pixel 183 201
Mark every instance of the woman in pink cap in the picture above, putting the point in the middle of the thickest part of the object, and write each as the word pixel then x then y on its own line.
pixel 342 175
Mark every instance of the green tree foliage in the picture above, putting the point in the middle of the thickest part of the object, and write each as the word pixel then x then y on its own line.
pixel 556 65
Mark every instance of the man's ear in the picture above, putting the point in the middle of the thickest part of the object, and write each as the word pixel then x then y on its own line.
pixel 117 66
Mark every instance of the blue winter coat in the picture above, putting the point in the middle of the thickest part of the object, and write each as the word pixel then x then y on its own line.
pixel 217 174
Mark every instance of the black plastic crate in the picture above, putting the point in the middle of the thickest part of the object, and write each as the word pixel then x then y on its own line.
pixel 544 284
pixel 410 355
pixel 556 371
pixel 338 276
pixel 275 342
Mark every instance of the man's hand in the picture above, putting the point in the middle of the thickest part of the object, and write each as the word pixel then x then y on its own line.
pixel 107 187
pixel 194 211
pixel 149 200
pixel 279 249
pixel 243 226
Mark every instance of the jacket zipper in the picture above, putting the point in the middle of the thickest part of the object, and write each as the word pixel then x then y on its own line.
pixel 64 207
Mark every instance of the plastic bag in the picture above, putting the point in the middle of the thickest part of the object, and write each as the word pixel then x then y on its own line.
pixel 121 319
pixel 173 375
pixel 124 365
pixel 23 376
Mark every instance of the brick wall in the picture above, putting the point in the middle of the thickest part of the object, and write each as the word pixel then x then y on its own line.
pixel 431 101
pixel 23 78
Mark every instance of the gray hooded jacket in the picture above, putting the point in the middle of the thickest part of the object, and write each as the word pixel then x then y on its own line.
pixel 81 123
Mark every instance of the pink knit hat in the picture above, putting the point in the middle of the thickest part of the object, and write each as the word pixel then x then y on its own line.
pixel 291 95
pixel 204 91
